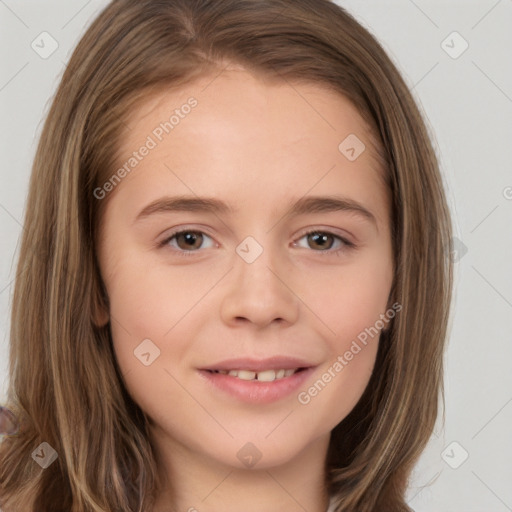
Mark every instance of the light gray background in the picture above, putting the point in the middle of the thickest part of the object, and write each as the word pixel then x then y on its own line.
pixel 468 104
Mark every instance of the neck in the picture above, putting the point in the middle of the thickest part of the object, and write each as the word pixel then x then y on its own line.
pixel 196 483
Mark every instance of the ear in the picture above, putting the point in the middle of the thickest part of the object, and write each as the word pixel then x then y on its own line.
pixel 99 309
pixel 389 306
pixel 100 316
pixel 386 327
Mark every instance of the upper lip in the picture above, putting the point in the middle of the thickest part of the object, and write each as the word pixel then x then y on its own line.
pixel 271 363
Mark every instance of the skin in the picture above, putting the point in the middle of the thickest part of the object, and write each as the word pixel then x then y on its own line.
pixel 259 146
pixel 8 424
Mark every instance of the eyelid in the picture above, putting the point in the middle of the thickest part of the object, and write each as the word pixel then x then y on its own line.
pixel 184 229
pixel 346 242
pixel 336 232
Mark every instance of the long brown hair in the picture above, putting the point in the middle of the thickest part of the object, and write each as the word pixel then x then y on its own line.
pixel 65 386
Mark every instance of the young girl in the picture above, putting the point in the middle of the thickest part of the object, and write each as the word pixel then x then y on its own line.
pixel 233 285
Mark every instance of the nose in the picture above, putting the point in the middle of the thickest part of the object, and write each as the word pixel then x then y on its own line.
pixel 260 293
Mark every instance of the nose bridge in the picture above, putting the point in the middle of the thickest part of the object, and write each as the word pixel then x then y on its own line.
pixel 256 263
pixel 257 290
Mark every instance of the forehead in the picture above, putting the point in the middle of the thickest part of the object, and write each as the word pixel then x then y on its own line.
pixel 249 136
pixel 278 112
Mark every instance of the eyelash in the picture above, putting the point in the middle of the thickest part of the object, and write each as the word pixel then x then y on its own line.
pixel 347 245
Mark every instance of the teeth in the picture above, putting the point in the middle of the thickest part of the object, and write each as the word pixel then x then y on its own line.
pixel 267 376
pixel 263 376
pixel 246 375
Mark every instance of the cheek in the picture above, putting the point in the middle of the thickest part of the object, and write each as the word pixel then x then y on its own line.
pixel 165 305
pixel 350 305
pixel 146 304
pixel 349 299
pixel 354 316
pixel 338 387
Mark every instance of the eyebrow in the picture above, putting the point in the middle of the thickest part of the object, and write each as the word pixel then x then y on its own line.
pixel 304 205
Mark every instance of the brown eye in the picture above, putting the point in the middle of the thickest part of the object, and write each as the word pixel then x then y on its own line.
pixel 325 242
pixel 320 240
pixel 188 240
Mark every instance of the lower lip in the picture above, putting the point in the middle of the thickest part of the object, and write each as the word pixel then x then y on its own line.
pixel 254 391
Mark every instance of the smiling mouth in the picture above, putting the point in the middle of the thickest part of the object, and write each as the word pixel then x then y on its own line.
pixel 261 376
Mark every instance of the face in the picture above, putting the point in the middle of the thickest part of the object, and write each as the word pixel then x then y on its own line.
pixel 238 314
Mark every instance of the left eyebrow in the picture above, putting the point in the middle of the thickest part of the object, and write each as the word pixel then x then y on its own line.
pixel 305 205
